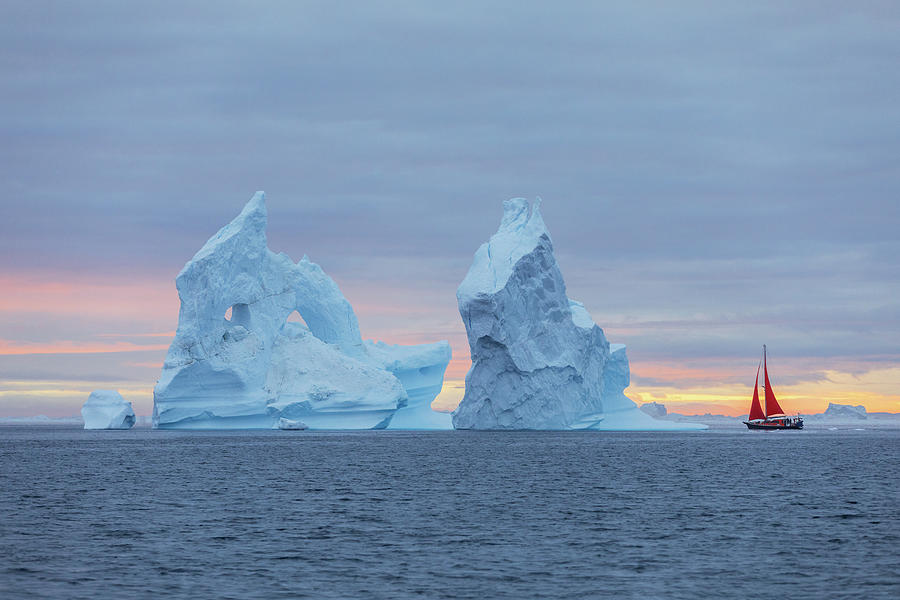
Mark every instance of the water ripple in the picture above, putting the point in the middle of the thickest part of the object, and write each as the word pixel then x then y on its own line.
pixel 142 514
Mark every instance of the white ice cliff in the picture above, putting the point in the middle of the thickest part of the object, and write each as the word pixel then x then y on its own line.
pixel 107 409
pixel 538 359
pixel 252 368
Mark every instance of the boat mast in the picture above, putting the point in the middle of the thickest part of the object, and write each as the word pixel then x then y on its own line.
pixel 765 383
pixel 772 406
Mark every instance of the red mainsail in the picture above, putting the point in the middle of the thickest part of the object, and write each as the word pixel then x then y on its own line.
pixel 756 411
pixel 772 407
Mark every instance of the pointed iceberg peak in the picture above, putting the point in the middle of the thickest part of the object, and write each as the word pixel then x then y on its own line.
pixel 521 228
pixel 521 232
pixel 253 216
pixel 259 197
pixel 515 214
pixel 517 218
pixel 256 204
pixel 245 231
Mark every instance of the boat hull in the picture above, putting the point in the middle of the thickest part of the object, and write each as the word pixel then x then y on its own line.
pixel 774 425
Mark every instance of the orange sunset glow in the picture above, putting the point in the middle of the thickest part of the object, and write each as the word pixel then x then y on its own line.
pixel 713 385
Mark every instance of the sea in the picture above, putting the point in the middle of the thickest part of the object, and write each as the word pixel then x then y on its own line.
pixel 457 514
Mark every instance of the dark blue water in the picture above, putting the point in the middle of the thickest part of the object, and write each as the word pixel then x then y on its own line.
pixel 143 514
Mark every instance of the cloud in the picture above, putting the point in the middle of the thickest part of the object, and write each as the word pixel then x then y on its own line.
pixel 136 367
pixel 715 176
pixel 398 131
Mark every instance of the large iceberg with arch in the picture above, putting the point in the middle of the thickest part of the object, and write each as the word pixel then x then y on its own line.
pixel 538 359
pixel 237 361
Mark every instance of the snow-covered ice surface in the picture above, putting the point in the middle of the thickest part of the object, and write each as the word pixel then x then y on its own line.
pixel 107 409
pixel 237 363
pixel 538 359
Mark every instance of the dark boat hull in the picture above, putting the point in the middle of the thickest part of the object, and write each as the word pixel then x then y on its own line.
pixel 773 425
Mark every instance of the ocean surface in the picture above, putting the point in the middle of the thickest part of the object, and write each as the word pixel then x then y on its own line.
pixel 275 514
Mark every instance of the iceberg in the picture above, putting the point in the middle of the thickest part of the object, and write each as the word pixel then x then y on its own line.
pixel 107 409
pixel 842 414
pixel 655 409
pixel 420 370
pixel 289 425
pixel 845 412
pixel 538 359
pixel 237 362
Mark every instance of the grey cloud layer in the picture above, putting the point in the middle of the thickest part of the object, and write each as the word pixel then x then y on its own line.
pixel 709 159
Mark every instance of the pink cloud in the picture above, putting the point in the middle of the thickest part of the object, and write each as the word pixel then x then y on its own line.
pixel 134 298
pixel 70 347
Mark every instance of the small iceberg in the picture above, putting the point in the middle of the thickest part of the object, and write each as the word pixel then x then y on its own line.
pixel 290 425
pixel 107 409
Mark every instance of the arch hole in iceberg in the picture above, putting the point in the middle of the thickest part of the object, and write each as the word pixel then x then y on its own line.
pixel 238 314
pixel 295 317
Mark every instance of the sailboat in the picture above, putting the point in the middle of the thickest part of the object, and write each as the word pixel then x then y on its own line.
pixel 773 417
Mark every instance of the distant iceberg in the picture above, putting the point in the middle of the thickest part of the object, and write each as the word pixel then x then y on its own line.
pixel 236 361
pixel 42 420
pixel 538 359
pixel 107 409
pixel 287 424
pixel 845 412
pixel 654 409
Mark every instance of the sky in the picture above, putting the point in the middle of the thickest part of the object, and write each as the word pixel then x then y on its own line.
pixel 715 175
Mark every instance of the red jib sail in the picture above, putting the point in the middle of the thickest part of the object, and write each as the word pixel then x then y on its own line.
pixel 756 411
pixel 772 407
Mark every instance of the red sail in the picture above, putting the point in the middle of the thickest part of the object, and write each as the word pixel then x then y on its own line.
pixel 772 407
pixel 756 411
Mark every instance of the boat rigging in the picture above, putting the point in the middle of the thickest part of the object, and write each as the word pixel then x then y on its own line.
pixel 773 417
